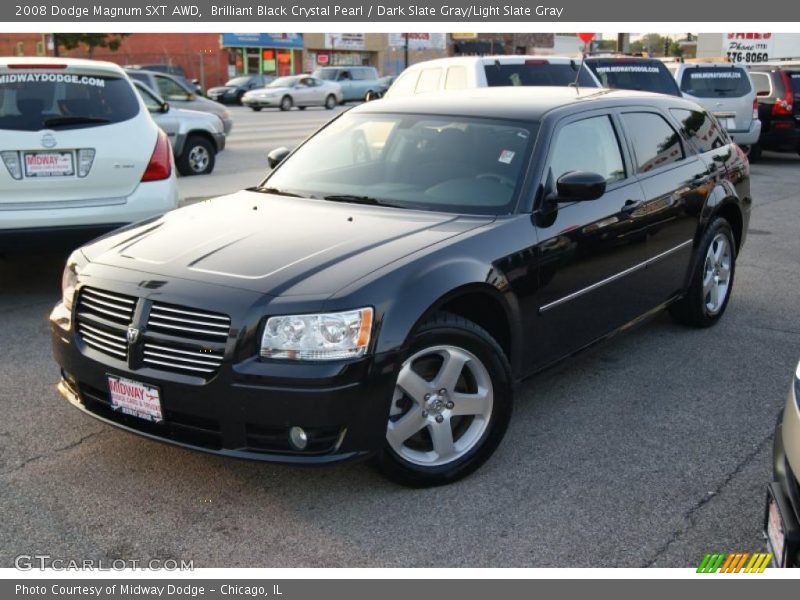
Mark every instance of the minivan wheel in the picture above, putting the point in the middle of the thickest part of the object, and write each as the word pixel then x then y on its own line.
pixel 711 278
pixel 330 102
pixel 451 404
pixel 286 103
pixel 197 157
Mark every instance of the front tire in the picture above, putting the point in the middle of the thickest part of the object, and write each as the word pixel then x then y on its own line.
pixel 451 405
pixel 197 158
pixel 330 102
pixel 711 278
pixel 256 108
pixel 286 103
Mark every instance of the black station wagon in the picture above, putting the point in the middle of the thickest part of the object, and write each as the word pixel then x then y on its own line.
pixel 385 287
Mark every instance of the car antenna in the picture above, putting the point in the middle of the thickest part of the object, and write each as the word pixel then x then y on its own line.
pixel 575 83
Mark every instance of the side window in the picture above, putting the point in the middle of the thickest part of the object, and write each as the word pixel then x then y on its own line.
pixel 761 83
pixel 699 127
pixel 428 81
pixel 170 90
pixel 150 101
pixel 588 145
pixel 456 78
pixel 655 142
pixel 359 74
pixel 344 76
pixel 404 85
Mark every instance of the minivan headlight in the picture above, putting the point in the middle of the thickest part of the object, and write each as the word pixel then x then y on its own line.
pixel 326 336
pixel 69 278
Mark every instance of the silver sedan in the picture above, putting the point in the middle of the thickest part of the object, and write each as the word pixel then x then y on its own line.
pixel 296 90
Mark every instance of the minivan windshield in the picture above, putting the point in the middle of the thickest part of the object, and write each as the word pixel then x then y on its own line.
pixel 716 82
pixel 431 162
pixel 631 74
pixel 31 101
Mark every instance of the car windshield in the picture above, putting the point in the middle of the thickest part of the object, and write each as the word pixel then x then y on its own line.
pixel 283 82
pixel 451 164
pixel 237 81
pixel 631 74
pixel 716 82
pixel 538 72
pixel 327 74
pixel 30 101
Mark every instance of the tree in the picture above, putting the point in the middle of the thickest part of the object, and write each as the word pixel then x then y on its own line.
pixel 675 49
pixel 652 43
pixel 70 41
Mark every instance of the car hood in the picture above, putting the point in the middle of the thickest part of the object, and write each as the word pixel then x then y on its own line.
pixel 276 245
pixel 197 117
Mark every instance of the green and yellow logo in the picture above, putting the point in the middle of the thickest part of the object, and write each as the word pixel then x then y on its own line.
pixel 739 562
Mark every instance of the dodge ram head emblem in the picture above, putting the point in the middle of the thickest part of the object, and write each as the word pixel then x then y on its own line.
pixel 132 335
pixel 48 141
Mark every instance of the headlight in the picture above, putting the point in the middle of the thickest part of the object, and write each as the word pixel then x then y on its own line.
pixel 328 336
pixel 69 279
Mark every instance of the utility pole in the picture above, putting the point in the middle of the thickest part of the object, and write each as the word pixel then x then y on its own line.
pixel 623 42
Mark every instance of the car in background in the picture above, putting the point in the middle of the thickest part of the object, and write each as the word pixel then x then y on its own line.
pixel 778 93
pixel 301 91
pixel 196 137
pixel 782 515
pixel 80 152
pixel 179 95
pixel 174 70
pixel 726 91
pixel 234 89
pixel 466 72
pixel 356 82
pixel 623 72
pixel 385 83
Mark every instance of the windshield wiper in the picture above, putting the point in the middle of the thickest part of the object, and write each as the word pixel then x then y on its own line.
pixel 276 191
pixel 354 199
pixel 73 120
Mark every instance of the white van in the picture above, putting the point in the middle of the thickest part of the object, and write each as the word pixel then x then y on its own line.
pixel 80 152
pixel 466 72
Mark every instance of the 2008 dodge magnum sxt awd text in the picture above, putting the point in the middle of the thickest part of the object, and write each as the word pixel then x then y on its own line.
pixel 387 284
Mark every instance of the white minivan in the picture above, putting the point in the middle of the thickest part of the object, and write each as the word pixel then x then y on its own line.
pixel 467 72
pixel 81 154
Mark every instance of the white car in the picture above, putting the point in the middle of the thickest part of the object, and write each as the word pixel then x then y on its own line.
pixel 295 90
pixel 81 154
pixel 467 72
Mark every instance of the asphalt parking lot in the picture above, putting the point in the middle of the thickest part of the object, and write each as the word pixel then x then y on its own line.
pixel 649 450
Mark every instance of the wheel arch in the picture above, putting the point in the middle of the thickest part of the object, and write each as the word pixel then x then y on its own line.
pixel 723 202
pixel 202 133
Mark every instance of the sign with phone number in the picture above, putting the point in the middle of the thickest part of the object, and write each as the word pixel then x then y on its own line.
pixel 747 48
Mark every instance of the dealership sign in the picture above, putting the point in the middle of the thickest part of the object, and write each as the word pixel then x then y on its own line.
pixel 747 47
pixel 345 41
pixel 419 41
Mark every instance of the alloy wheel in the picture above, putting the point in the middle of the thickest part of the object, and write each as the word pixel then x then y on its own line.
pixel 717 274
pixel 199 159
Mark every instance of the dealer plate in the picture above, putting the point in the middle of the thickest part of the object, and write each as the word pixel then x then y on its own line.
pixel 49 164
pixel 776 535
pixel 135 398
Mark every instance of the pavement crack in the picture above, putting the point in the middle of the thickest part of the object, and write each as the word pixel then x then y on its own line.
pixel 39 457
pixel 689 516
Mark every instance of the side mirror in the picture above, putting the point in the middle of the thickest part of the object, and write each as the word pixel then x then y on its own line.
pixel 275 157
pixel 165 107
pixel 580 186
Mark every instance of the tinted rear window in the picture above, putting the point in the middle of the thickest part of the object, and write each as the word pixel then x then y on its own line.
pixel 30 101
pixel 715 82
pixel 645 76
pixel 536 74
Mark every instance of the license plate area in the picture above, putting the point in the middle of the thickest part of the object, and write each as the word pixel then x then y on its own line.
pixel 49 164
pixel 135 398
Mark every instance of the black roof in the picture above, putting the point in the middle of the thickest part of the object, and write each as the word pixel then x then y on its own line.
pixel 518 103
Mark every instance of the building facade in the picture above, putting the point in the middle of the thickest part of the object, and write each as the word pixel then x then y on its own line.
pixel 275 54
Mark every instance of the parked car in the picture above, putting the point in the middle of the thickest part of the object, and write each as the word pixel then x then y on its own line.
pixel 81 154
pixel 356 82
pixel 180 96
pixel 386 302
pixel 623 72
pixel 234 89
pixel 782 515
pixel 196 137
pixel 464 72
pixel 175 70
pixel 301 91
pixel 778 94
pixel 724 90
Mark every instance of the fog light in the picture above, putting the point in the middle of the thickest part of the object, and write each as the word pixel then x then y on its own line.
pixel 298 438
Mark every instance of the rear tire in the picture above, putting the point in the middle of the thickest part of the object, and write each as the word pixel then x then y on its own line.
pixel 256 108
pixel 301 107
pixel 451 405
pixel 197 158
pixel 286 103
pixel 711 280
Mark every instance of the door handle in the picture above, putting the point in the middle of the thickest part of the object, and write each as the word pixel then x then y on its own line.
pixel 630 206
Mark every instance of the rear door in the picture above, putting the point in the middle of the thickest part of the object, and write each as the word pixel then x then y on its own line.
pixel 725 91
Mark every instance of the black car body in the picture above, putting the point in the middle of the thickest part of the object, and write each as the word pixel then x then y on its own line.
pixel 233 90
pixel 642 74
pixel 520 284
pixel 778 95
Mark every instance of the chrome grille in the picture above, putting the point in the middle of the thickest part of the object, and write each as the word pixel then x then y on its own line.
pixel 104 340
pixel 188 323
pixel 182 359
pixel 105 305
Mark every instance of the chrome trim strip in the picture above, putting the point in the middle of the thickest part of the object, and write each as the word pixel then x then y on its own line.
pixel 216 355
pixel 612 278
pixel 103 348
pixel 152 323
pixel 117 339
pixel 90 290
pixel 193 361
pixel 151 361
pixel 190 321
pixel 87 302
pixel 157 307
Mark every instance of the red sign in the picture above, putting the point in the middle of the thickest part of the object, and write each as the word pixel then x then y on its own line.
pixel 323 59
pixel 585 37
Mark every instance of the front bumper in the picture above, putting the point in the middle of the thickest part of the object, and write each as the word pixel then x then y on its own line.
pixel 247 408
pixel 783 495
pixel 219 140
